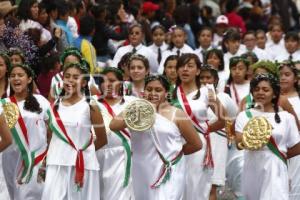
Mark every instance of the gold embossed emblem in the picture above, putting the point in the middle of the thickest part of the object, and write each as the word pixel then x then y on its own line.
pixel 11 113
pixel 256 134
pixel 139 115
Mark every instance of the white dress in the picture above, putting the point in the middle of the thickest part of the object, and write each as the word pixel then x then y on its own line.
pixel 294 163
pixel 198 178
pixel 3 188
pixel 265 176
pixel 61 157
pixel 147 164
pixel 112 159
pixel 11 157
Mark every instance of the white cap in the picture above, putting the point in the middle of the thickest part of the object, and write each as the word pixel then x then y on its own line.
pixel 222 19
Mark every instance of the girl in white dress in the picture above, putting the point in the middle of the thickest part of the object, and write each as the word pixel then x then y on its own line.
pixel 265 173
pixel 138 70
pixel 72 166
pixel 23 159
pixel 221 139
pixel 115 157
pixel 289 89
pixel 195 102
pixel 158 164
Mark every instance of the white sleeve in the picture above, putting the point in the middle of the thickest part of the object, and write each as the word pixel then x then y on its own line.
pixel 204 95
pixel 240 122
pixel 293 136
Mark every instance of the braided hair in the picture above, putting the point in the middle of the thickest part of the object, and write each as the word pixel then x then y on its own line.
pixel 182 61
pixel 85 90
pixel 31 104
pixel 274 82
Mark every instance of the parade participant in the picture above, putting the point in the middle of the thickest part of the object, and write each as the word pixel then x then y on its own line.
pixel 265 174
pixel 16 56
pixel 195 102
pixel 72 166
pixel 289 89
pixel 205 38
pixel 170 70
pixel 21 162
pixel 138 70
pixel 4 66
pixel 220 140
pixel 115 157
pixel 159 46
pixel 158 162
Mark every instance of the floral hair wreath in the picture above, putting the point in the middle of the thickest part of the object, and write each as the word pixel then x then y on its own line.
pixel 26 67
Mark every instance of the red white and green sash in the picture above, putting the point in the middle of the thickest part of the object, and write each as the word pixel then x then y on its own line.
pixel 166 170
pixel 272 144
pixel 182 103
pixel 125 138
pixel 58 84
pixel 20 136
pixel 58 128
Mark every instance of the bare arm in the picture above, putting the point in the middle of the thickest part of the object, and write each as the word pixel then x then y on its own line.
pixel 293 151
pixel 99 128
pixel 238 139
pixel 188 132
pixel 5 134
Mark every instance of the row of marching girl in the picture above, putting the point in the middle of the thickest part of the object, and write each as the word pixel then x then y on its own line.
pixel 72 166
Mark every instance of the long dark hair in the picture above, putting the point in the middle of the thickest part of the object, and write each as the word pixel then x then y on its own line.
pixel 31 104
pixel 274 82
pixel 6 59
pixel 293 68
pixel 183 60
pixel 24 9
pixel 86 91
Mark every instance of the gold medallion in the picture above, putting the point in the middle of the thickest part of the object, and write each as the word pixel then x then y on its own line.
pixel 139 115
pixel 11 113
pixel 256 134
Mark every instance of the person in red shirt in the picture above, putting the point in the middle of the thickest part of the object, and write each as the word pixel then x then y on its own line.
pixel 234 20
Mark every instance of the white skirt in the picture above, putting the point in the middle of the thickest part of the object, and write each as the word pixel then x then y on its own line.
pixel 60 184
pixel 198 179
pixel 294 177
pixel 219 154
pixel 3 188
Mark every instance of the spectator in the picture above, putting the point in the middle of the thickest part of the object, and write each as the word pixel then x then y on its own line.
pixel 234 20
pixel 291 43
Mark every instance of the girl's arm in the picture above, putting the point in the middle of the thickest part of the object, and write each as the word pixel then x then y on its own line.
pixel 98 124
pixel 117 123
pixel 5 134
pixel 293 151
pixel 188 132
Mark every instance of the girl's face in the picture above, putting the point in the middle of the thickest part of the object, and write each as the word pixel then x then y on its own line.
pixel 158 37
pixel 155 92
pixel 135 36
pixel 188 72
pixel 73 81
pixel 34 10
pixel 3 68
pixel 71 59
pixel 206 78
pixel 16 59
pixel 287 79
pixel 261 40
pixel 170 70
pixel 205 38
pixel 19 80
pixel 263 93
pixel 232 46
pixel 137 70
pixel 276 34
pixel 214 61
pixel 239 72
pixel 43 17
pixel 178 38
pixel 111 85
pixel 291 45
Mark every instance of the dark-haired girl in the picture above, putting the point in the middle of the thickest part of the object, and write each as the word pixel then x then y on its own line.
pixel 115 157
pixel 289 89
pixel 265 174
pixel 4 67
pixel 22 160
pixel 194 101
pixel 158 38
pixel 238 86
pixel 160 149
pixel 170 69
pixel 214 58
pixel 16 56
pixel 205 37
pixel 72 166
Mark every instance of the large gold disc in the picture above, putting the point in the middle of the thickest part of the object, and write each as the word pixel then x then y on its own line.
pixel 11 113
pixel 139 115
pixel 256 133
